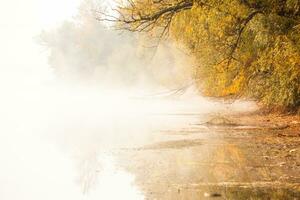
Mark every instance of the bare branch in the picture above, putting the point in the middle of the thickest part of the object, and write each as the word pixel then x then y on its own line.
pixel 136 21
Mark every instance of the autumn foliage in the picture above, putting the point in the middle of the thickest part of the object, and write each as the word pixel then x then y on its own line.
pixel 243 48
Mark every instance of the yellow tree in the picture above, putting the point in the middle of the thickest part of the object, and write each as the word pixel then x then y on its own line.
pixel 234 42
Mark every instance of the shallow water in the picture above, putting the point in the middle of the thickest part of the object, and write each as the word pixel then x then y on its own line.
pixel 200 162
pixel 80 145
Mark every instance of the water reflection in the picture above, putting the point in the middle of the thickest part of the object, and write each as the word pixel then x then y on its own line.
pixel 49 136
pixel 220 162
pixel 101 178
pixel 89 146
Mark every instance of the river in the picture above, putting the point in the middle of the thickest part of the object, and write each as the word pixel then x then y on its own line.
pixel 57 144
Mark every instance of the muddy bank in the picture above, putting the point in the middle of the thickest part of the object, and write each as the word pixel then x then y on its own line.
pixel 288 124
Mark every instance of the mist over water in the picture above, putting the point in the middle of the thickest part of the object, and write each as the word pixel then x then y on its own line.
pixel 55 134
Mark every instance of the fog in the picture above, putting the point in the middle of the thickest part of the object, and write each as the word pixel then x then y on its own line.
pixel 86 51
pixel 61 111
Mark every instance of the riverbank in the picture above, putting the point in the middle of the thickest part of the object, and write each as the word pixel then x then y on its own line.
pixel 280 124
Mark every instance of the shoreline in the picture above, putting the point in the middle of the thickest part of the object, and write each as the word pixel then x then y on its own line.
pixel 288 125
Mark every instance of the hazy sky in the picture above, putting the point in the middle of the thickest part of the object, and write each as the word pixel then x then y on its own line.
pixel 22 60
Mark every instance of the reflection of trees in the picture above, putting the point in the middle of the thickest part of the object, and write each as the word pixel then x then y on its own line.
pixel 88 170
pixel 231 164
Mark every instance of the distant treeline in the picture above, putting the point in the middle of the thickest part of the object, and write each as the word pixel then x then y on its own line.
pixel 83 50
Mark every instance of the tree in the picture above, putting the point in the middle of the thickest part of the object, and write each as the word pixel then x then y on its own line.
pixel 244 47
pixel 84 51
